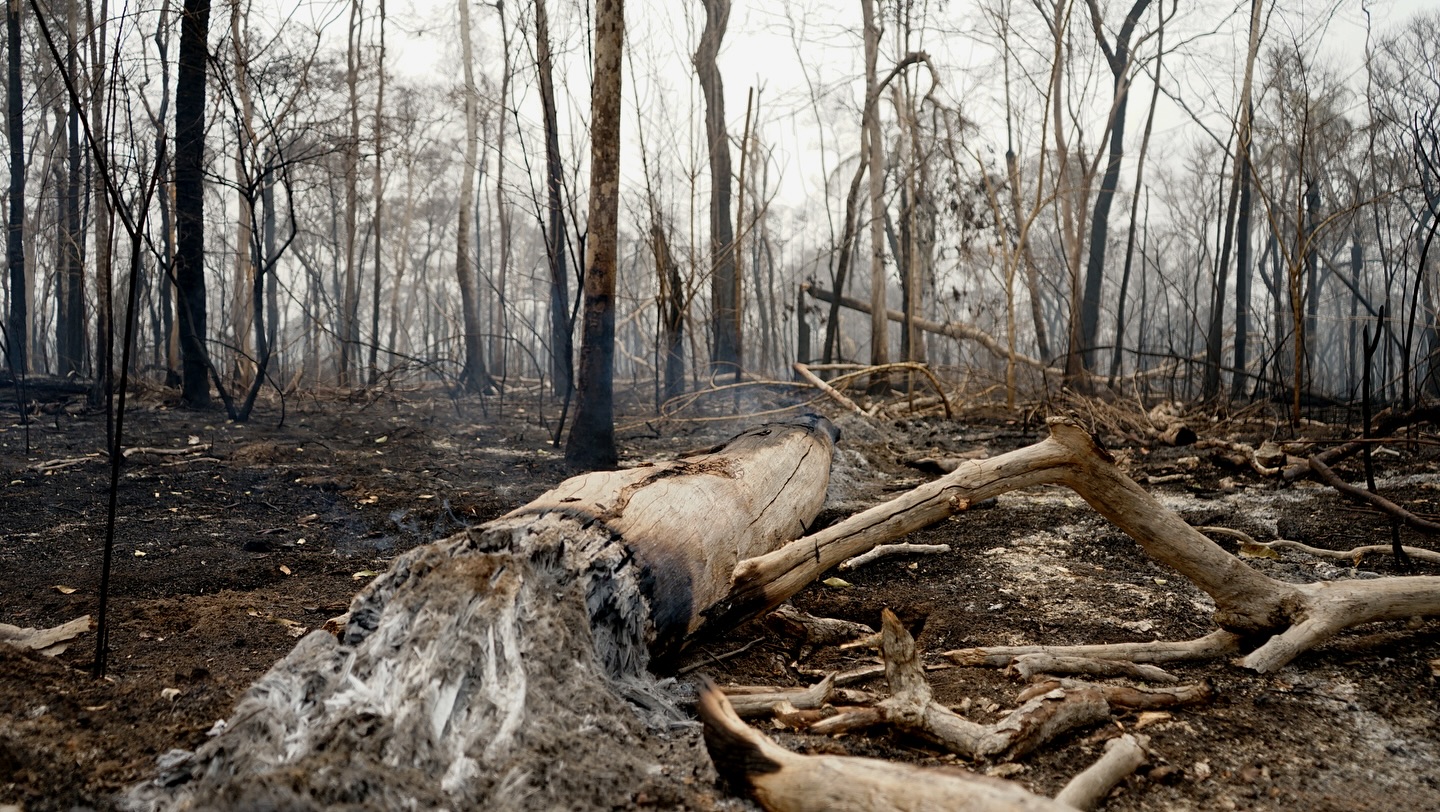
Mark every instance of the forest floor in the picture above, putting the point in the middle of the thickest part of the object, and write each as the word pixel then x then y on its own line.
pixel 250 535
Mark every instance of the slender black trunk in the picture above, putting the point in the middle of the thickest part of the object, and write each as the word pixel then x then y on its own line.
pixel 190 201
pixel 17 340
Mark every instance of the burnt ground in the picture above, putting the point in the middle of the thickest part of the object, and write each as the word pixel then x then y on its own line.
pixel 225 554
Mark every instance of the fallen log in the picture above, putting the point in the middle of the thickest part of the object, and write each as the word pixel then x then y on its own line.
pixel 507 667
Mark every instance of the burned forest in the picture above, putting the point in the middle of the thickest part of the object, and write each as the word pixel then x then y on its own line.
pixel 720 405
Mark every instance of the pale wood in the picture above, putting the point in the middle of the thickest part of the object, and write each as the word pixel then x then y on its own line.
pixel 814 632
pixel 51 641
pixel 782 781
pixel 1212 646
pixel 1299 616
pixel 1039 720
pixel 1029 665
pixel 830 391
pixel 885 550
pixel 764 704
pixel 1123 756
pixel 465 672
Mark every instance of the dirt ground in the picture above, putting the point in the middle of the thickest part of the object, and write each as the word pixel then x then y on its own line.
pixel 250 535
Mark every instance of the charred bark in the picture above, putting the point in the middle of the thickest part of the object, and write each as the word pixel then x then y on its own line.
pixel 479 671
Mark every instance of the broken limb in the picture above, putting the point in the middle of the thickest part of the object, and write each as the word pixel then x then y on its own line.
pixel 1299 616
pixel 1123 756
pixel 1127 697
pixel 830 391
pixel 1210 647
pixel 1354 554
pixel 782 781
pixel 884 550
pixel 812 632
pixel 1034 723
pixel 1029 665
pixel 1386 423
pixel 1329 477
pixel 763 704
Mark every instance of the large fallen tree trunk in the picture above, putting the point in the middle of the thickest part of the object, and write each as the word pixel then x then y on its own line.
pixel 508 666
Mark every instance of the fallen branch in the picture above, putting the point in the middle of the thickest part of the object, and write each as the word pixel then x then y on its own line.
pixel 49 642
pixel 1386 423
pixel 1127 697
pixel 1034 723
pixel 1210 647
pixel 830 391
pixel 764 704
pixel 1029 665
pixel 782 781
pixel 1123 756
pixel 884 550
pixel 812 632
pixel 1297 616
pixel 1329 477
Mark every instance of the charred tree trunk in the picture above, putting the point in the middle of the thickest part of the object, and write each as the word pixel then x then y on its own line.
pixel 473 375
pixel 562 351
pixel 486 670
pixel 1119 61
pixel 190 202
pixel 591 443
pixel 19 321
pixel 725 281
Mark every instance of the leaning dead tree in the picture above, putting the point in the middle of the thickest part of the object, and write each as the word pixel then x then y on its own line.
pixel 489 670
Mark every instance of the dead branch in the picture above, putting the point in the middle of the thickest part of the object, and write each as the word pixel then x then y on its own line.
pixel 1029 665
pixel 1123 756
pixel 884 550
pixel 1212 646
pixel 199 448
pixel 1298 616
pixel 830 391
pixel 812 632
pixel 1126 697
pixel 764 704
pixel 49 642
pixel 1353 555
pixel 1329 477
pixel 911 708
pixel 1387 422
pixel 782 781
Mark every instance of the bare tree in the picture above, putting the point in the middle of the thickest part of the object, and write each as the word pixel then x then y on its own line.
pixel 591 443
pixel 725 348
pixel 190 201
pixel 562 359
pixel 473 376
pixel 1118 58
pixel 18 333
